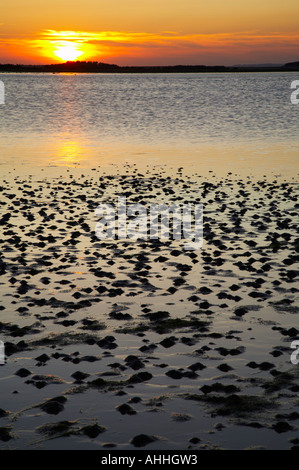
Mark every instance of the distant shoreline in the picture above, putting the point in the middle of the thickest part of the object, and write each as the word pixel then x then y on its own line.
pixel 99 67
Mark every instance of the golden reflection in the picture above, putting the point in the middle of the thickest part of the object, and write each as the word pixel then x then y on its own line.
pixel 70 153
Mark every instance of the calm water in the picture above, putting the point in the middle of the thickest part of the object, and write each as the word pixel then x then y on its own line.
pixel 239 121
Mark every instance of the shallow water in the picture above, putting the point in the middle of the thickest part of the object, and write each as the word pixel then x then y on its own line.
pixel 203 121
pixel 218 356
pixel 168 403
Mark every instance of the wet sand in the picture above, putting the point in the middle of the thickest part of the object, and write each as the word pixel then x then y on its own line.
pixel 131 344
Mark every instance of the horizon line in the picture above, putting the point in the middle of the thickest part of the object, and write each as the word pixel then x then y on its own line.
pixel 95 62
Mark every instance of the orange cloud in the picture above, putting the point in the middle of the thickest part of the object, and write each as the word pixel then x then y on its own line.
pixel 127 46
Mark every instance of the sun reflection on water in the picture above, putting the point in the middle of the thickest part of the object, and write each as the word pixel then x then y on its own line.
pixel 70 153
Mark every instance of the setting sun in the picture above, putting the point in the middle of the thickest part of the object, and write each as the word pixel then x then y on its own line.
pixel 150 33
pixel 68 51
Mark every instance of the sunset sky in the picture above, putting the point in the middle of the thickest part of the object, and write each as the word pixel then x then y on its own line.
pixel 150 32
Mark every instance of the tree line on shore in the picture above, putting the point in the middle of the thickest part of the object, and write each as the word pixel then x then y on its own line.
pixel 101 67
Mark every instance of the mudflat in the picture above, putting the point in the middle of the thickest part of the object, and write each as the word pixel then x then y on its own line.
pixel 133 343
